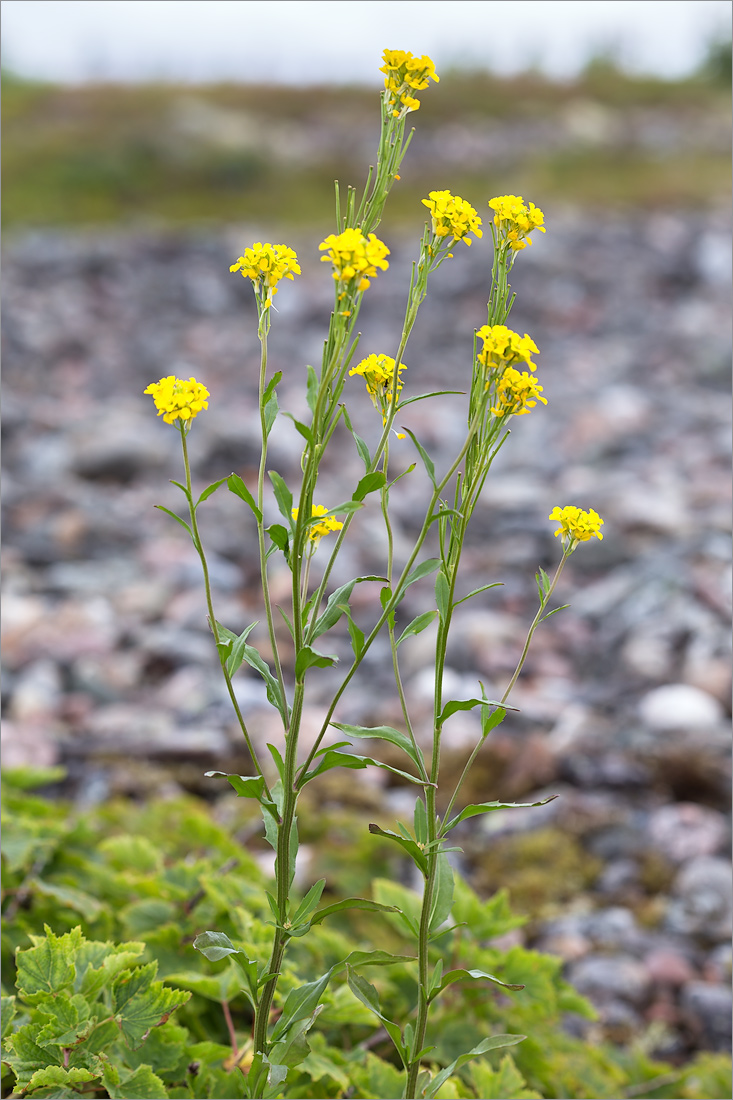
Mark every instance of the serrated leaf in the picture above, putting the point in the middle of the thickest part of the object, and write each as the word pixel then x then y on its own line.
pixel 56 1078
pixel 237 486
pixel 385 733
pixel 69 1023
pixel 140 1084
pixel 427 460
pixel 70 897
pixel 488 807
pixel 7 1014
pixel 418 624
pixel 47 967
pixel 311 658
pixel 207 492
pixel 24 1056
pixel 175 517
pixel 140 1004
pixel 505 1081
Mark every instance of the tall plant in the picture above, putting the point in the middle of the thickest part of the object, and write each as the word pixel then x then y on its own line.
pixel 502 386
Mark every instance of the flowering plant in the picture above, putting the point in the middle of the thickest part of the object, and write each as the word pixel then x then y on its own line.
pixel 497 392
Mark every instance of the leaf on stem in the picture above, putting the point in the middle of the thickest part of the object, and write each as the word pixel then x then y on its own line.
pixel 309 903
pixel 442 595
pixel 478 591
pixel 367 994
pixel 175 517
pixel 336 605
pixel 487 807
pixel 442 893
pixel 369 484
pixel 427 460
pixel 311 388
pixel 492 1043
pixel 300 1004
pixel 564 607
pixel 475 975
pixel 209 490
pixel 280 540
pixel 385 733
pixel 215 945
pixel 284 498
pixel 246 786
pixel 237 486
pixel 424 569
pixel 333 759
pixel 310 658
pixel 352 903
pixel 418 624
pixel 361 446
pixel 410 846
pixel 302 428
pixel 469 704
pixel 425 396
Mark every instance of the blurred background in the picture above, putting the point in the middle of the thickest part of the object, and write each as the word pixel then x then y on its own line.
pixel 144 146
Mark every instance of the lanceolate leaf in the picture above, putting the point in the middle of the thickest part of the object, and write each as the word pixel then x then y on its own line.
pixel 427 460
pixel 246 786
pixel 493 1043
pixel 368 996
pixel 422 570
pixel 352 903
pixel 488 807
pixel 384 733
pixel 478 591
pixel 310 658
pixel 237 486
pixel 410 846
pixel 474 975
pixel 335 607
pixel 175 517
pixel 369 484
pixel 331 758
pixel 209 490
pixel 442 893
pixel 468 704
pixel 283 496
pixel 418 624
pixel 215 945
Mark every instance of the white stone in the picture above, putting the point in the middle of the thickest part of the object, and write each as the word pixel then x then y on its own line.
pixel 675 706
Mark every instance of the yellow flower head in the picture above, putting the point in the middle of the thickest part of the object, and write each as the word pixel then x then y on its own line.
pixel 452 215
pixel 178 398
pixel 516 221
pixel 266 265
pixel 325 525
pixel 354 256
pixel 405 73
pixel 504 348
pixel 378 372
pixel 517 393
pixel 576 525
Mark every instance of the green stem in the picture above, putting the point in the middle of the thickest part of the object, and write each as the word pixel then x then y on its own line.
pixel 210 605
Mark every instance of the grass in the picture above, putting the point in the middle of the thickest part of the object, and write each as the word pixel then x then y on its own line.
pixel 172 154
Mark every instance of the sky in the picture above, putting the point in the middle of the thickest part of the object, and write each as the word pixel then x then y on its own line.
pixel 309 41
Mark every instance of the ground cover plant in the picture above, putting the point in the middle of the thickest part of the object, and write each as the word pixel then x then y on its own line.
pixel 92 1016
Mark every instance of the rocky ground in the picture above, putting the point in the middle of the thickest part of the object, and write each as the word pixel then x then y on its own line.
pixel 624 703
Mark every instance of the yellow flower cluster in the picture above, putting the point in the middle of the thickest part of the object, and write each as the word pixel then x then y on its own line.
pixel 378 372
pixel 405 74
pixel 503 348
pixel 325 526
pixel 178 398
pixel 266 265
pixel 516 221
pixel 354 256
pixel 517 393
pixel 452 215
pixel 575 524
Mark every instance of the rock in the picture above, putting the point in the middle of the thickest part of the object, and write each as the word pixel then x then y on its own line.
pixel 706 1009
pixel 614 928
pixel 703 900
pixel 680 705
pixel 26 745
pixel 605 979
pixel 684 830
pixel 619 876
pixel 668 967
pixel 36 692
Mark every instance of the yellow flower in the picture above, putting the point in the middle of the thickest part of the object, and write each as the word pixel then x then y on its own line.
pixel 355 256
pixel 576 525
pixel 405 73
pixel 325 526
pixel 178 398
pixel 266 265
pixel 378 372
pixel 503 348
pixel 452 215
pixel 516 221
pixel 517 393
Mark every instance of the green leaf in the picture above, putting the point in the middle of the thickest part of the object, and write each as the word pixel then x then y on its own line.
pixel 485 919
pixel 246 786
pixel 7 1014
pixel 71 898
pixel 356 635
pixel 418 624
pixel 488 807
pixel 300 1004
pixel 410 846
pixel 47 967
pixel 140 1004
pixel 271 410
pixel 478 591
pixel 301 428
pixel 280 539
pixel 215 945
pixel 424 396
pixel 491 721
pixel 352 903
pixel 24 1056
pixel 311 388
pixel 492 1084
pixel 56 1078
pixel 474 975
pixel 376 958
pixel 361 446
pixel 254 660
pixel 331 758
pixel 493 1043
pixel 368 996
pixel 424 569
pixel 284 498
pixel 554 611
pixel 310 658
pixel 70 1021
pixel 407 901
pixel 237 486
pixel 385 733
pixel 427 460
pixel 140 1084
pixel 209 490
pixel 236 654
pixel 309 902
pixel 442 595
pixel 272 386
pixel 175 517
pixel 442 893
pixel 369 484
pixel 469 704
pixel 338 605
pixel 421 821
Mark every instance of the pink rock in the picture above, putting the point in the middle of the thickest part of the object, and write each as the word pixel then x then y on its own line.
pixel 668 967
